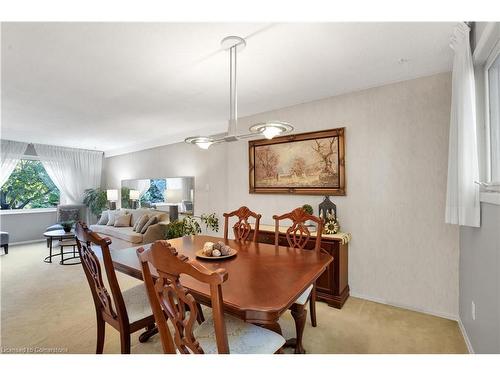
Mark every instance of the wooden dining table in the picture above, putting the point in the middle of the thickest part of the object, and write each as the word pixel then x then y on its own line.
pixel 264 280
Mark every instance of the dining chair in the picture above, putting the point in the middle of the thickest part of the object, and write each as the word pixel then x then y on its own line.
pixel 127 311
pixel 220 333
pixel 242 227
pixel 298 236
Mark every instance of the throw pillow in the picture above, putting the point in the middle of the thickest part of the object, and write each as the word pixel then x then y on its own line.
pixel 122 220
pixel 68 214
pixel 111 217
pixel 134 227
pixel 104 218
pixel 141 222
pixel 151 221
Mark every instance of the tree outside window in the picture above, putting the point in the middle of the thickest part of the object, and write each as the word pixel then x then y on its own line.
pixel 29 186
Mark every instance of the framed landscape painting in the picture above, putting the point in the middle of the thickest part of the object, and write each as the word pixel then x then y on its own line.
pixel 307 163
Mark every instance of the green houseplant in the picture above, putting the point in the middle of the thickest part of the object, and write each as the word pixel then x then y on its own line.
pixel 211 221
pixel 308 209
pixel 95 199
pixel 190 226
pixel 125 193
pixel 67 225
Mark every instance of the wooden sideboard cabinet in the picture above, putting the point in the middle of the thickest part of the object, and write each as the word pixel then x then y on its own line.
pixel 332 286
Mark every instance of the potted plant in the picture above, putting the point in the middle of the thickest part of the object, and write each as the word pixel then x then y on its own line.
pixel 67 225
pixel 309 210
pixel 211 221
pixel 190 226
pixel 95 200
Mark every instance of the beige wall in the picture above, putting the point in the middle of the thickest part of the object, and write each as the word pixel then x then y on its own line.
pixel 402 253
pixel 208 169
pixel 27 226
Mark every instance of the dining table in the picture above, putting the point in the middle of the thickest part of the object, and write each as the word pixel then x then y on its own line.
pixel 263 282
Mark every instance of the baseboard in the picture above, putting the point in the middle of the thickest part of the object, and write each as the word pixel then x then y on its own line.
pixel 466 336
pixel 407 307
pixel 26 242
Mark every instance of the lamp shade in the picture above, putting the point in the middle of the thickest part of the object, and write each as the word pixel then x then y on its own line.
pixel 112 195
pixel 134 195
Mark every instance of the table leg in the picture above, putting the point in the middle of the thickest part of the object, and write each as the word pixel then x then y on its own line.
pixel 299 314
pixel 62 254
pixel 49 258
pixel 72 255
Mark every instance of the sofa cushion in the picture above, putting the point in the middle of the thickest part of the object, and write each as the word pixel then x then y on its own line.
pixel 122 220
pixel 104 218
pixel 137 213
pixel 111 217
pixel 123 233
pixel 152 220
pixel 134 226
pixel 142 221
pixel 162 216
pixel 66 212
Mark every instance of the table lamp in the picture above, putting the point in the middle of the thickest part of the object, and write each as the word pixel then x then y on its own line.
pixel 112 197
pixel 134 197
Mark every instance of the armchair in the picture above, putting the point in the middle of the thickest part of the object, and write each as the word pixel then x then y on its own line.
pixel 67 212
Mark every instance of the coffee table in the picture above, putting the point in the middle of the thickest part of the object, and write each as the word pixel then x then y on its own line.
pixel 65 239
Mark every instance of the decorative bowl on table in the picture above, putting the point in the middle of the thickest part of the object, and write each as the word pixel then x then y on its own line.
pixel 216 251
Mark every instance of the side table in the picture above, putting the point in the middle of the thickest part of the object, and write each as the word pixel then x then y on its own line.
pixel 64 239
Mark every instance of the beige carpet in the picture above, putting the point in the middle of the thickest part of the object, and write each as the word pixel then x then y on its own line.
pixel 48 307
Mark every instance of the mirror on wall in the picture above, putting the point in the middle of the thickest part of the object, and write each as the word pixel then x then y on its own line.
pixel 165 194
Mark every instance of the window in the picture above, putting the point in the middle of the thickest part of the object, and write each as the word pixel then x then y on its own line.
pixel 493 114
pixel 29 186
pixel 155 192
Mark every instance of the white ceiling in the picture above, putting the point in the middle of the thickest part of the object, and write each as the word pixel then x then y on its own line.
pixel 126 86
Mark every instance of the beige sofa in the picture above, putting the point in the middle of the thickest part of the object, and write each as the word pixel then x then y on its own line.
pixel 123 237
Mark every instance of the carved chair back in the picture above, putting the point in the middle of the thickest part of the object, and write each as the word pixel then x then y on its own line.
pixel 298 234
pixel 170 300
pixel 85 239
pixel 242 227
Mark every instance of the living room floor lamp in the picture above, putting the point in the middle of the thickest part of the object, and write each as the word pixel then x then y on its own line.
pixel 112 196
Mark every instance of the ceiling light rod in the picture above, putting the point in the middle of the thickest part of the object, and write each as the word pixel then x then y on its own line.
pixel 268 129
pixel 233 43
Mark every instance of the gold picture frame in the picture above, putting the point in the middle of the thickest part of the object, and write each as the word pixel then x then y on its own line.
pixel 308 163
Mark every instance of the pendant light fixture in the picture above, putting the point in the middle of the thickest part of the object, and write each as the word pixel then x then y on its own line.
pixel 268 129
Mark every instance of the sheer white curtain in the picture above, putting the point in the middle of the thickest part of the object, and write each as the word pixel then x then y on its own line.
pixel 462 194
pixel 11 152
pixel 72 170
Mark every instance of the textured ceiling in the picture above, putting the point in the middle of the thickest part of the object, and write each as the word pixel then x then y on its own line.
pixel 123 86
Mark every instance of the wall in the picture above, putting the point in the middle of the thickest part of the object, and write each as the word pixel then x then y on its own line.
pixel 23 226
pixel 480 280
pixel 208 169
pixel 402 253
pixel 480 247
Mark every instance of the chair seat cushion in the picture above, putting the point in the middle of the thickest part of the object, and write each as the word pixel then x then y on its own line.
pixel 302 300
pixel 243 338
pixel 137 303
